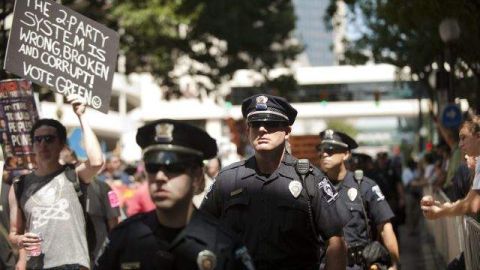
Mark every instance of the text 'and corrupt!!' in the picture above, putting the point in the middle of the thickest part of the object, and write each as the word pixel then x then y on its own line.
pixel 63 50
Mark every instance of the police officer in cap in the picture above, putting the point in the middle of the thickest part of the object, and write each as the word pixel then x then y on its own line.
pixel 278 205
pixel 369 210
pixel 175 235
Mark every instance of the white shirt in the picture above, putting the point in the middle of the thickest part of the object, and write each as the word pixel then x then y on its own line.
pixel 476 179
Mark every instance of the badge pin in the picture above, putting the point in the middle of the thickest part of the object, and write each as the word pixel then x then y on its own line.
pixel 261 103
pixel 164 133
pixel 352 194
pixel 206 260
pixel 295 188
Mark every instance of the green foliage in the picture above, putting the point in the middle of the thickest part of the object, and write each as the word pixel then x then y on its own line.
pixel 219 37
pixel 405 33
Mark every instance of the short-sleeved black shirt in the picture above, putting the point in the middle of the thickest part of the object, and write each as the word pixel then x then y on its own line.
pixel 276 226
pixel 376 207
pixel 141 242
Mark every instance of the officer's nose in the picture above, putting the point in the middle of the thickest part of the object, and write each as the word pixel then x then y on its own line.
pixel 262 128
pixel 160 178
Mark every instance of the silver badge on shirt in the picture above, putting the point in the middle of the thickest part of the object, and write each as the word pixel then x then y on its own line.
pixel 352 194
pixel 206 260
pixel 330 193
pixel 295 188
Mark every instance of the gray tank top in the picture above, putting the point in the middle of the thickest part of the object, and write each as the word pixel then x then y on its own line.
pixel 54 212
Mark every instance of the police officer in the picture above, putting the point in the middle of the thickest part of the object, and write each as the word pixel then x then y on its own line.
pixel 277 205
pixel 365 201
pixel 175 235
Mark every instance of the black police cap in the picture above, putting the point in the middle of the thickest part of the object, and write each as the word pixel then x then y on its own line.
pixel 167 141
pixel 330 137
pixel 266 108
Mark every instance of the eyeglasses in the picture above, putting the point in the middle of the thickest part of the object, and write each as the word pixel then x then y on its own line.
pixel 268 124
pixel 45 138
pixel 331 149
pixel 175 168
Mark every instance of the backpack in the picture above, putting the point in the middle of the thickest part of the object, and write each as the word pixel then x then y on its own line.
pixel 71 175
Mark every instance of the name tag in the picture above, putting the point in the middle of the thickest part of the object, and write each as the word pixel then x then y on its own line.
pixel 130 265
pixel 236 192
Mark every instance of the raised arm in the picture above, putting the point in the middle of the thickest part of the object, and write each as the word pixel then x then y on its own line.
pixel 94 163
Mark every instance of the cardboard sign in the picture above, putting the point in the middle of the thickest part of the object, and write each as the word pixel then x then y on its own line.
pixel 61 49
pixel 18 113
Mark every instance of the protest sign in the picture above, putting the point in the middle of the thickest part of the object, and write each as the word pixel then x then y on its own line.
pixel 61 49
pixel 18 113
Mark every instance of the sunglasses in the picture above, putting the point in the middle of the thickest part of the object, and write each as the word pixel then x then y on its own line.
pixel 268 125
pixel 331 149
pixel 175 168
pixel 45 138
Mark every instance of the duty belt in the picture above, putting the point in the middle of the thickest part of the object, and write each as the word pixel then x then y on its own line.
pixel 355 255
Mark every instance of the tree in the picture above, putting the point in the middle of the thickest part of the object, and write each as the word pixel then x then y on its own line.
pixel 405 34
pixel 208 40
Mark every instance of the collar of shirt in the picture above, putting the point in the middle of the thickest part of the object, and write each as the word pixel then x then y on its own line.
pixel 250 169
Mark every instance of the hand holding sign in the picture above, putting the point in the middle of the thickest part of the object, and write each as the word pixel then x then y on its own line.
pixel 78 104
pixel 58 48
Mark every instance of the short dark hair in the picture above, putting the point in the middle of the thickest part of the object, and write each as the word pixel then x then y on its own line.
pixel 61 130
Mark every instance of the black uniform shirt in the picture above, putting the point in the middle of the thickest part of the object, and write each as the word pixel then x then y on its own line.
pixel 376 207
pixel 140 243
pixel 275 226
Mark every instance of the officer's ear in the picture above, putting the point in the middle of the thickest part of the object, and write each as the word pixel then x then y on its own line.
pixel 288 130
pixel 347 156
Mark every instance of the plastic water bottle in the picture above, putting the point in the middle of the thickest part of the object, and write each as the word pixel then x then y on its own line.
pixel 38 249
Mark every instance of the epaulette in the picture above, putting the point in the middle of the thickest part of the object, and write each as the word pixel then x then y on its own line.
pixel 232 166
pixel 127 222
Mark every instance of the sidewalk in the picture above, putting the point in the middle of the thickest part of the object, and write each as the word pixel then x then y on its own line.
pixel 417 252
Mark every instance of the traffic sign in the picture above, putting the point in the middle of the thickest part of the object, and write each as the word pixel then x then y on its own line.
pixel 451 116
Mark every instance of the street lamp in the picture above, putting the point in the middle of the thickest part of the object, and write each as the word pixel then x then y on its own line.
pixel 449 31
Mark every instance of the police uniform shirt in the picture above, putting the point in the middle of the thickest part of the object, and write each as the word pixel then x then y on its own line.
pixel 274 224
pixel 140 242
pixel 377 208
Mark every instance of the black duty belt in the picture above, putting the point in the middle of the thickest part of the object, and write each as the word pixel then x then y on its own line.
pixel 355 255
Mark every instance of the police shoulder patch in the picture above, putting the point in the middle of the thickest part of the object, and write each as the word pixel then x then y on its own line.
pixel 330 194
pixel 378 192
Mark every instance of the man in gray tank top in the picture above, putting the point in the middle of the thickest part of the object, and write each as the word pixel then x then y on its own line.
pixel 47 220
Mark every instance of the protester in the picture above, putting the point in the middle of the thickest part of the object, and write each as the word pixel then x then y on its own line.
pixel 390 182
pixel 413 193
pixel 46 218
pixel 101 206
pixel 175 235
pixel 7 252
pixel 113 171
pixel 364 199
pixel 470 145
pixel 211 171
pixel 264 201
pixel 141 201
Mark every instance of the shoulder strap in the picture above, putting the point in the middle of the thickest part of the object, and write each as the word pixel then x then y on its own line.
pixel 18 185
pixel 303 168
pixel 367 220
pixel 72 176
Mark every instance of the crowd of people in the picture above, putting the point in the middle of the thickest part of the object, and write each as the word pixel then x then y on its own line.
pixel 179 209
